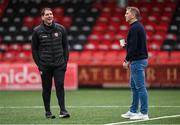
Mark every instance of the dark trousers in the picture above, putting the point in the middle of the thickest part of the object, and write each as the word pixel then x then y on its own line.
pixel 58 73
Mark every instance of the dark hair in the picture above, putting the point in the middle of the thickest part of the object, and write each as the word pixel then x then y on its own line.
pixel 135 11
pixel 44 9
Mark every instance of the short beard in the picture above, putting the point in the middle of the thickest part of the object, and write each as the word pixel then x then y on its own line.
pixel 48 24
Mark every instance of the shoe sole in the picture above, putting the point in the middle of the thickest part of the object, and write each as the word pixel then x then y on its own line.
pixel 125 117
pixel 139 119
pixel 51 117
pixel 64 116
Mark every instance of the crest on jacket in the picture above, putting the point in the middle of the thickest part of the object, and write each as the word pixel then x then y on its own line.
pixel 56 34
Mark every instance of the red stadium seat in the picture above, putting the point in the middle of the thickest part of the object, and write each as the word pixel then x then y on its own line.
pixel 1 57
pixel 163 58
pixel 115 46
pixel 37 21
pixel 66 21
pixel 26 47
pixel 154 46
pixel 4 47
pixel 158 38
pixel 98 57
pixel 15 47
pixel 105 27
pixel 112 57
pixel 85 57
pixel 152 57
pixel 58 11
pixel 115 57
pixel 28 21
pixel 162 27
pixel 94 38
pixel 98 29
pixel 175 57
pixel 171 37
pixel 74 57
pixel 149 28
pixel 22 57
pixel 103 46
pixel 90 46
pixel 122 56
pixel 9 57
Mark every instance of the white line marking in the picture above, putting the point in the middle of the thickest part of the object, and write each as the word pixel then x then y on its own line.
pixel 115 106
pixel 97 106
pixel 151 119
pixel 50 124
pixel 117 123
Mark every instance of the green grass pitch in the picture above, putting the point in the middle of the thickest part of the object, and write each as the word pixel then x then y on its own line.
pixel 88 106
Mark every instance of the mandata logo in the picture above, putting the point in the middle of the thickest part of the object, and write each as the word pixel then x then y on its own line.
pixel 19 75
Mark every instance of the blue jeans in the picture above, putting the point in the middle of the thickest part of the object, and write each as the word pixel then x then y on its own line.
pixel 138 87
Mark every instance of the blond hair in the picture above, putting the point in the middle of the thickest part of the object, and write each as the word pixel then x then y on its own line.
pixel 135 11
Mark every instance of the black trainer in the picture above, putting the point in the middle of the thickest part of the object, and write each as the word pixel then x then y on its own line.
pixel 49 115
pixel 64 114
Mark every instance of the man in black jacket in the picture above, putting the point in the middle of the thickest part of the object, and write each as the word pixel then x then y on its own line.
pixel 50 53
pixel 136 58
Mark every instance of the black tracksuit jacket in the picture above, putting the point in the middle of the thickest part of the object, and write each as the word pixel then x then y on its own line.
pixel 50 45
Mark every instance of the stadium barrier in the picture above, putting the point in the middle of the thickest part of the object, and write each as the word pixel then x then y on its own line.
pixel 17 76
pixel 115 75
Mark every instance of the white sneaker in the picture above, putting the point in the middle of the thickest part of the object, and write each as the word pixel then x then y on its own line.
pixel 140 116
pixel 128 114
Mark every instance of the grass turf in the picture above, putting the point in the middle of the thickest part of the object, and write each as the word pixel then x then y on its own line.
pixel 86 106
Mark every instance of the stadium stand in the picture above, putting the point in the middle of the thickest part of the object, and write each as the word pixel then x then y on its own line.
pixel 94 29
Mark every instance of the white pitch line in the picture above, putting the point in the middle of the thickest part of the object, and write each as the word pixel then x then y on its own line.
pixel 97 106
pixel 151 119
pixel 50 124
